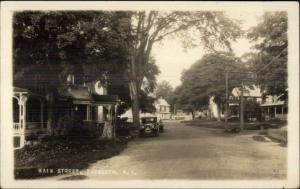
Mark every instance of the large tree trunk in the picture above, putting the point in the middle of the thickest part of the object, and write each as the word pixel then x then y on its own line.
pixel 135 103
pixel 50 112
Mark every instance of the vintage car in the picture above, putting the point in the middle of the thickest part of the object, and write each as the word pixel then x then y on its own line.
pixel 149 125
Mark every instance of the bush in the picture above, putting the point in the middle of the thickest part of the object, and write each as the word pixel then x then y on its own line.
pixel 60 153
pixel 123 127
pixel 69 126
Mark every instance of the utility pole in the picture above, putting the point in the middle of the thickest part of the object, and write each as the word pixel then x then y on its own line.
pixel 242 107
pixel 226 101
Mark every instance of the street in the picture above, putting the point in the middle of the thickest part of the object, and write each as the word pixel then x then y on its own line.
pixel 186 152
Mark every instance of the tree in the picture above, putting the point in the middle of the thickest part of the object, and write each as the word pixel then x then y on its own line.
pixel 87 44
pixel 164 90
pixel 206 79
pixel 189 99
pixel 270 60
pixel 47 46
pixel 213 30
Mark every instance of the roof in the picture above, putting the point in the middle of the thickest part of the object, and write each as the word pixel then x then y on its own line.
pixel 75 92
pixel 162 102
pixel 83 94
pixel 254 92
pixel 273 104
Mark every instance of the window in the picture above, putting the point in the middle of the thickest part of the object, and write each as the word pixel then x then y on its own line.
pixel 81 111
pixel 70 79
pixel 93 113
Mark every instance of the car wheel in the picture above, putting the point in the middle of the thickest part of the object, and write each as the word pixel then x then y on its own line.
pixel 141 134
pixel 162 130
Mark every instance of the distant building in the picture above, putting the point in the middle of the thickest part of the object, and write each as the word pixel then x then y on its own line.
pixel 270 106
pixel 162 108
pixel 182 115
pixel 252 93
pixel 273 108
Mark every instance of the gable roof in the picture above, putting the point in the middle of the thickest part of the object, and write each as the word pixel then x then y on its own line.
pixel 248 92
pixel 161 102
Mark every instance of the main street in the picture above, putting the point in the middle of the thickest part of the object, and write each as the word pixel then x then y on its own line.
pixel 186 152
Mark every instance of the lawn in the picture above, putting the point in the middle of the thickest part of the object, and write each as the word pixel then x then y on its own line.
pixel 47 158
pixel 234 124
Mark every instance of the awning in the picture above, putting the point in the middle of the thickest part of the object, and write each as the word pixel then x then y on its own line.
pixel 82 95
pixel 104 99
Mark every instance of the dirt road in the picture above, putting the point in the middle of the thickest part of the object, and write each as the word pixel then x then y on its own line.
pixel 186 152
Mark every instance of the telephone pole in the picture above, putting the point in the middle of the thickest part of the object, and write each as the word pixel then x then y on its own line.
pixel 226 102
pixel 242 107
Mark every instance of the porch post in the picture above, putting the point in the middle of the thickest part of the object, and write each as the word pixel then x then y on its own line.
pixel 88 112
pixel 282 112
pixel 20 111
pixel 275 111
pixel 23 101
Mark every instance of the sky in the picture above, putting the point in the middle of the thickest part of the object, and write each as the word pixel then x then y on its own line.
pixel 172 59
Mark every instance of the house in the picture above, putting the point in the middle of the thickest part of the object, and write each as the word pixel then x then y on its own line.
pixel 252 94
pixel 162 111
pixel 35 113
pixel 162 108
pixel 274 108
pixel 249 94
pixel 270 106
pixel 182 115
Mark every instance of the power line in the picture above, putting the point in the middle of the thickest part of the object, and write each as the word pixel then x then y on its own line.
pixel 271 61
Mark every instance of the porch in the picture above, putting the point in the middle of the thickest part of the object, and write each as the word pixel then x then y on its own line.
pixel 29 116
pixel 34 116
pixel 275 111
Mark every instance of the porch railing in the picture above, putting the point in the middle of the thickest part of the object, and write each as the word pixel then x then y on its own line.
pixel 36 125
pixel 17 126
pixel 29 126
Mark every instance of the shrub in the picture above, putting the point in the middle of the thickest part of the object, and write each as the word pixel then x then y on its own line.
pixel 69 126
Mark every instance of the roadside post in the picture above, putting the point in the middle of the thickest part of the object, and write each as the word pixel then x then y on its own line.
pixel 242 107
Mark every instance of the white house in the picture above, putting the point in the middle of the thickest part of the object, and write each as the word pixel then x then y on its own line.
pixel 162 108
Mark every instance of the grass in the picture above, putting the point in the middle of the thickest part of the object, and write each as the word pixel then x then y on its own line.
pixel 247 125
pixel 63 154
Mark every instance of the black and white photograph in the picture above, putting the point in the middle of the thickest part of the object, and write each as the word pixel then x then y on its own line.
pixel 149 94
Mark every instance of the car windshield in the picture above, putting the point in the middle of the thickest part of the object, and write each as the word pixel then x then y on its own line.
pixel 149 120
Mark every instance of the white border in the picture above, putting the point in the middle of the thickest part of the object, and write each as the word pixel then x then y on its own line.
pixel 7 9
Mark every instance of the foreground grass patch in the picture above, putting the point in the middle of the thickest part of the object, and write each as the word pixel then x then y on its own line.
pixel 46 158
